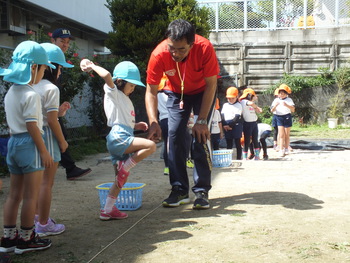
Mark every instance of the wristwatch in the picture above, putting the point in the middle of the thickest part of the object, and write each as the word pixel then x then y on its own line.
pixel 202 122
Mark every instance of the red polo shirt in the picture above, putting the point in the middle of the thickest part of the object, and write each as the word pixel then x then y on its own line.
pixel 201 62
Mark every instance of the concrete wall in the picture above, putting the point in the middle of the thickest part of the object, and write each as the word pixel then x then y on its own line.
pixel 259 58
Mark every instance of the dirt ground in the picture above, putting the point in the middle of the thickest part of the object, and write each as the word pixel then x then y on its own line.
pixel 292 209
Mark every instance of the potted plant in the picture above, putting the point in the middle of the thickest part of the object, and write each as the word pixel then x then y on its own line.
pixel 338 102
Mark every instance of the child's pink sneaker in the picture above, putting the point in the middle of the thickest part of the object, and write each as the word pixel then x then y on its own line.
pixel 114 214
pixel 122 175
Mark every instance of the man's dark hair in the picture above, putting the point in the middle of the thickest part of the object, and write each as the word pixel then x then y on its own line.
pixel 181 29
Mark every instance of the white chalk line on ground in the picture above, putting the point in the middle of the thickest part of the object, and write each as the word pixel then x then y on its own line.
pixel 126 231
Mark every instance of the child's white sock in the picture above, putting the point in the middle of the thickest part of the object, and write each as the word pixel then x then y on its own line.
pixel 25 233
pixel 10 232
pixel 110 201
pixel 129 163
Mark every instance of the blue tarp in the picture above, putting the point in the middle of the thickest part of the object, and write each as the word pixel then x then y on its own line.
pixel 325 145
pixel 312 144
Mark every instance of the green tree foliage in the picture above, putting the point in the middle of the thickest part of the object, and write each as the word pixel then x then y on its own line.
pixel 190 11
pixel 139 26
pixel 72 79
pixel 232 14
pixel 339 101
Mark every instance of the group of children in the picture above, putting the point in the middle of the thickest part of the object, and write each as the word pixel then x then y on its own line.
pixel 238 123
pixel 32 108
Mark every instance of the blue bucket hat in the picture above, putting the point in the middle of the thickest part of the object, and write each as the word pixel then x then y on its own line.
pixel 56 55
pixel 129 72
pixel 24 56
pixel 4 72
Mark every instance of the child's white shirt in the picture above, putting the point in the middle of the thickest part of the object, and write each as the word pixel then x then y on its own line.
pixel 248 112
pixel 281 109
pixel 118 107
pixel 215 128
pixel 262 127
pixel 22 105
pixel 230 110
pixel 163 111
pixel 50 97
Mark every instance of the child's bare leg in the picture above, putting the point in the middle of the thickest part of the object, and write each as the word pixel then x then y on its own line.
pixel 281 137
pixel 45 195
pixel 13 200
pixel 141 148
pixel 112 196
pixel 32 182
pixel 287 136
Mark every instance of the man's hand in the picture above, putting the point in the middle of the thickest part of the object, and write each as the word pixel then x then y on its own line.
pixel 201 132
pixel 154 132
pixel 63 109
pixel 141 126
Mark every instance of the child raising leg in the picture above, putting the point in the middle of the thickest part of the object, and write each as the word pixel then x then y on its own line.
pixel 125 149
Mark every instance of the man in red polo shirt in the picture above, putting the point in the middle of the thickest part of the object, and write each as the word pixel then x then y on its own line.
pixel 190 64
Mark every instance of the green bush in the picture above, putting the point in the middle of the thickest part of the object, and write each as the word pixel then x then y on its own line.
pixel 302 91
pixel 265 116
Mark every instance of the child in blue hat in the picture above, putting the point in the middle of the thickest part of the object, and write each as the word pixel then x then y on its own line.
pixel 125 149
pixel 53 136
pixel 27 155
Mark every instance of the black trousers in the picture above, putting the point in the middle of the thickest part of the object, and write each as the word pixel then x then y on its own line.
pixel 200 152
pixel 66 159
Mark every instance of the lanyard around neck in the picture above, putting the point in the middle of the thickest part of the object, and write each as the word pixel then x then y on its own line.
pixel 182 79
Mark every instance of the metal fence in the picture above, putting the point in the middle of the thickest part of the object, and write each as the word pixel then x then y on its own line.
pixel 243 15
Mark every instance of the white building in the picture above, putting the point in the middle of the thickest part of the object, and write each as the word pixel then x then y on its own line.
pixel 88 20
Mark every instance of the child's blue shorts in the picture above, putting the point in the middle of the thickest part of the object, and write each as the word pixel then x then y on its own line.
pixel 23 156
pixel 52 144
pixel 118 140
pixel 284 120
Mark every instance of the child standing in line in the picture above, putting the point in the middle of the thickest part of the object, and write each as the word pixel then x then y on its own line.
pixel 216 127
pixel 53 136
pixel 163 120
pixel 250 125
pixel 264 131
pixel 284 106
pixel 232 120
pixel 125 149
pixel 274 125
pixel 27 155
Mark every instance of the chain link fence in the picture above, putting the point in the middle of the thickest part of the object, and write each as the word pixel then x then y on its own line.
pixel 243 15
